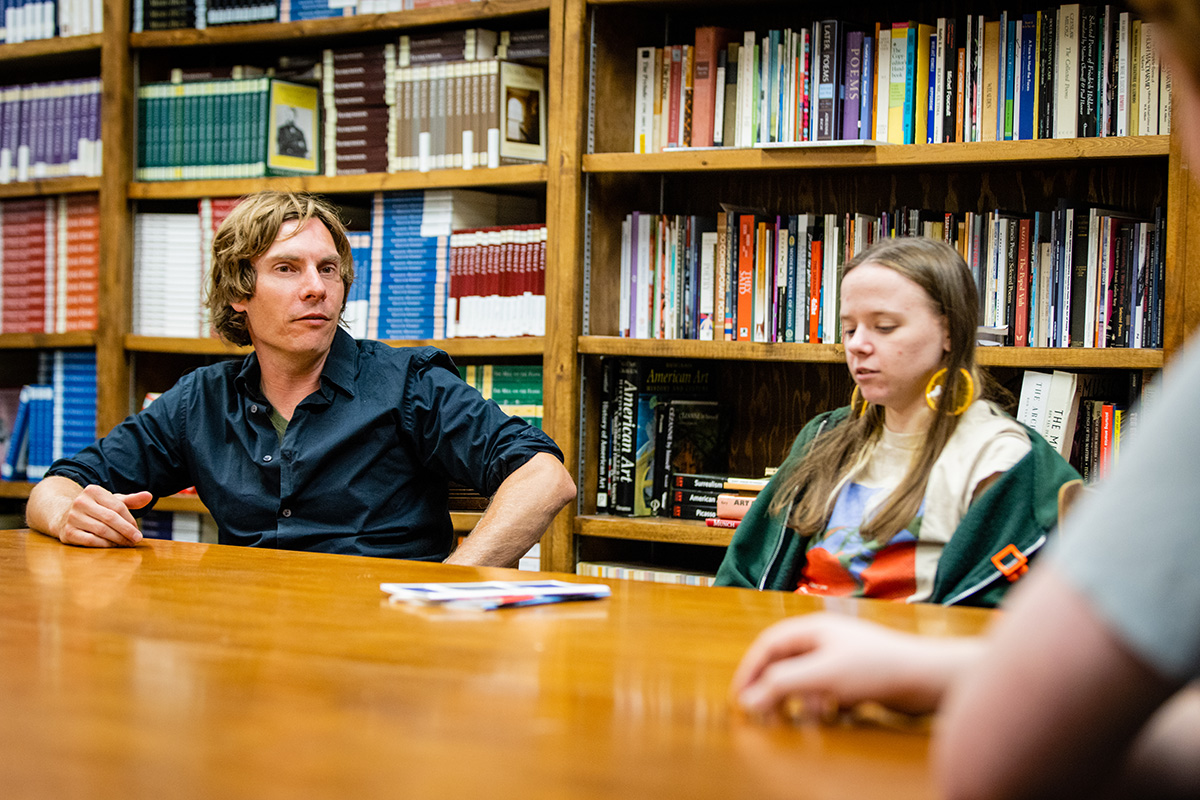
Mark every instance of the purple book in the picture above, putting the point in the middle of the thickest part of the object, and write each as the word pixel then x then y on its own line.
pixel 852 85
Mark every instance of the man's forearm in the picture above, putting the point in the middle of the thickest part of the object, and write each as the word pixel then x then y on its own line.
pixel 518 515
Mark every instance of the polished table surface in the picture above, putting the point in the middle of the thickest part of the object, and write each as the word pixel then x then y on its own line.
pixel 190 670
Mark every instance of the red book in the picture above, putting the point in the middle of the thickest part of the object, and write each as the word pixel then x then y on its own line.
pixel 1021 313
pixel 1106 438
pixel 814 293
pixel 710 41
pixel 745 276
pixel 722 523
pixel 675 93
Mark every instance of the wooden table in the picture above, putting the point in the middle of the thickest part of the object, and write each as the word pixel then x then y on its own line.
pixel 188 670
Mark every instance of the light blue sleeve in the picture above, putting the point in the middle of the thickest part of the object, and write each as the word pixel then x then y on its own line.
pixel 1133 545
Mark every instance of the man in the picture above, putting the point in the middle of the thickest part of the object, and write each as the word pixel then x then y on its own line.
pixel 1086 686
pixel 315 441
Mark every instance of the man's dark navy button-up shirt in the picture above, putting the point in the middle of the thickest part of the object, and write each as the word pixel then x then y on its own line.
pixel 363 466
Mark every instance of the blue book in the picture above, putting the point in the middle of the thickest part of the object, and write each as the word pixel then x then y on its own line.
pixel 41 431
pixel 931 92
pixel 910 87
pixel 1010 61
pixel 867 90
pixel 15 457
pixel 1028 67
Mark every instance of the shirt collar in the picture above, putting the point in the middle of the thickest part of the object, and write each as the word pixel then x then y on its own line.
pixel 340 368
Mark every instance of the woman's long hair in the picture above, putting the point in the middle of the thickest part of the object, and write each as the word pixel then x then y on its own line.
pixel 810 485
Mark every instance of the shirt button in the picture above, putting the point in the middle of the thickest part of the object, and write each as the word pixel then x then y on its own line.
pixel 266 458
pixel 287 512
pixel 254 409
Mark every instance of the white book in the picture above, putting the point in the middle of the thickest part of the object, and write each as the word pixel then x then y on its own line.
pixel 1043 309
pixel 627 246
pixel 1093 278
pixel 745 91
pixel 1066 73
pixel 1062 409
pixel 719 110
pixel 643 102
pixel 1123 74
pixel 1035 395
pixel 1148 87
pixel 1164 101
pixel 829 279
pixel 641 313
pixel 708 262
pixel 883 65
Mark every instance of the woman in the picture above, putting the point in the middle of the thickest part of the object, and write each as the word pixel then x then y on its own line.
pixel 920 489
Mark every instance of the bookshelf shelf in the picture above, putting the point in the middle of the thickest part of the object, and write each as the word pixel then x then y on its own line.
pixel 651 529
pixel 182 345
pixel 317 29
pixel 55 48
pixel 38 341
pixel 892 156
pixel 1034 357
pixel 531 346
pixel 49 186
pixel 15 490
pixel 518 175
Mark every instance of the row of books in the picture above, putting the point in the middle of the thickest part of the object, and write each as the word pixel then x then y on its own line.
pixel 49 264
pixel 1074 276
pixel 657 418
pixel 29 20
pixel 55 417
pixel 641 572
pixel 516 388
pixel 152 15
pixel 411 285
pixel 1085 417
pixel 234 128
pixel 50 130
pixel 720 500
pixel 1064 72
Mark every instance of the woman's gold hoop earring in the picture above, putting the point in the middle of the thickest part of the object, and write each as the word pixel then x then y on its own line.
pixel 966 391
pixel 855 395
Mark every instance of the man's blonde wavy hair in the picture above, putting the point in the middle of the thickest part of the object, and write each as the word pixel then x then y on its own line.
pixel 248 232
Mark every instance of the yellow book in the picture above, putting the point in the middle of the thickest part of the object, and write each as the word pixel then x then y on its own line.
pixel 991 80
pixel 897 74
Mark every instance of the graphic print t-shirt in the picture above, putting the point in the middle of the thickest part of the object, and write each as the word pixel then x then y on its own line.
pixel 841 563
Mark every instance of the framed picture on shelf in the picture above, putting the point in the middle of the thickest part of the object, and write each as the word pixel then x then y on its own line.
pixel 293 144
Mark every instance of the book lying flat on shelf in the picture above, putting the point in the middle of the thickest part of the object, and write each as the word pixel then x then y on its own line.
pixel 489 595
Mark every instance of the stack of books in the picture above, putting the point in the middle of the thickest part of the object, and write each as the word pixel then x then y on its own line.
pixel 54 418
pixel 227 128
pixel 28 20
pixel 49 264
pixel 1063 72
pixel 50 130
pixel 720 500
pixel 498 281
pixel 409 294
pixel 516 388
pixel 358 89
pixel 168 275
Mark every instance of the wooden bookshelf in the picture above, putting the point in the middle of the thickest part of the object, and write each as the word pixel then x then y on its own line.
pixel 777 387
pixel 520 346
pixel 53 49
pixel 43 341
pixel 524 176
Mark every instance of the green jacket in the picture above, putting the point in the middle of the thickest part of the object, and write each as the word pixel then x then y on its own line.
pixel 1020 508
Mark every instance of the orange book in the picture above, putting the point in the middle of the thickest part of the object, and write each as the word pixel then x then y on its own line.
pixel 733 506
pixel 710 41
